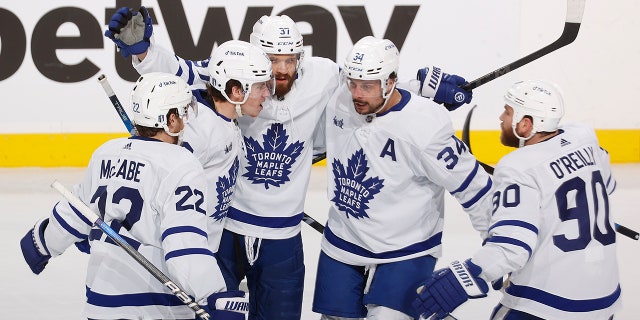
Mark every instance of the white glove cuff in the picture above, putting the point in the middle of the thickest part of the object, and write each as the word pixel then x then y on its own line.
pixel 466 279
pixel 431 82
pixel 37 240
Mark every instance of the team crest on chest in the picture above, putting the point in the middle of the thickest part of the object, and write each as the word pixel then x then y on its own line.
pixel 270 162
pixel 224 188
pixel 353 188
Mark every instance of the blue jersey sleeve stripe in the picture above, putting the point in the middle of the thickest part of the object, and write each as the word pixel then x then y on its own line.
pixel 562 303
pixel 132 300
pixel 479 195
pixel 66 226
pixel 80 215
pixel 515 242
pixel 191 74
pixel 516 223
pixel 468 179
pixel 183 229
pixel 189 251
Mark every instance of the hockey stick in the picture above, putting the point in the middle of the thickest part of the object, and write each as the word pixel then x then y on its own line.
pixel 98 222
pixel 116 104
pixel 575 10
pixel 465 137
pixel 127 122
pixel 449 317
pixel 308 219
pixel 627 232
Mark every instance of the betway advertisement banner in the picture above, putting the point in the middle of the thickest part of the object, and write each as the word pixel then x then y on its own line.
pixel 52 52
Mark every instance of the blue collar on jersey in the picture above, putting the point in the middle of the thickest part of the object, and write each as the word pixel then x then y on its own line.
pixel 406 96
pixel 203 97
pixel 144 138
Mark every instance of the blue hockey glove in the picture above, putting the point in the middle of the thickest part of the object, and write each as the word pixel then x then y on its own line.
pixel 227 305
pixel 443 87
pixel 130 31
pixel 449 288
pixel 34 247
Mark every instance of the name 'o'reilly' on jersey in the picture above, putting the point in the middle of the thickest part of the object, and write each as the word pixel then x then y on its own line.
pixel 154 195
pixel 552 229
pixel 274 174
pixel 216 142
pixel 387 176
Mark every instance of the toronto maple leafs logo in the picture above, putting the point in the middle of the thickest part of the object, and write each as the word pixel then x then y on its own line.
pixel 353 189
pixel 270 163
pixel 224 188
pixel 338 123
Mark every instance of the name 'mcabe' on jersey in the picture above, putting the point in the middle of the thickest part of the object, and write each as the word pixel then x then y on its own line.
pixel 154 195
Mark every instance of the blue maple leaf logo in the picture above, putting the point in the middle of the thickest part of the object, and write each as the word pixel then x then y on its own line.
pixel 270 163
pixel 353 189
pixel 224 188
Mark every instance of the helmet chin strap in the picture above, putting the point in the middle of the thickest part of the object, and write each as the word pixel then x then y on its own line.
pixel 180 134
pixel 239 110
pixel 386 98
pixel 521 140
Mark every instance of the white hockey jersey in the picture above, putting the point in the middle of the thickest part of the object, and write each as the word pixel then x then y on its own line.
pixel 274 175
pixel 153 194
pixel 216 142
pixel 552 229
pixel 387 175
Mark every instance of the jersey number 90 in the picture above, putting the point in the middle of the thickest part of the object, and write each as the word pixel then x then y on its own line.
pixel 573 204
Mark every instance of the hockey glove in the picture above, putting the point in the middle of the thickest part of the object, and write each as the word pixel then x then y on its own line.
pixel 227 305
pixel 130 31
pixel 449 288
pixel 34 247
pixel 443 87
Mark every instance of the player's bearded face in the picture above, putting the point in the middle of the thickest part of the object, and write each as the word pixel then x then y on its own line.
pixel 284 71
pixel 366 95
pixel 507 137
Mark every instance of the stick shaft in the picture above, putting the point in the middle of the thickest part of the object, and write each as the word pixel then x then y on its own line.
pixel 98 222
pixel 116 104
pixel 575 10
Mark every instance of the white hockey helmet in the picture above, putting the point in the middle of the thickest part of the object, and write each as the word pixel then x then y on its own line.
pixel 155 94
pixel 277 35
pixel 241 61
pixel 372 59
pixel 541 100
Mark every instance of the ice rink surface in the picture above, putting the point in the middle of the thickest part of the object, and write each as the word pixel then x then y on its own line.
pixel 58 292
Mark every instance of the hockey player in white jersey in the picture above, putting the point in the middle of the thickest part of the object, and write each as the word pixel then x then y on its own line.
pixel 240 83
pixel 262 238
pixel 392 155
pixel 551 228
pixel 267 208
pixel 154 194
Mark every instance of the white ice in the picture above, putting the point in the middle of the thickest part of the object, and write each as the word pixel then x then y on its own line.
pixel 58 292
